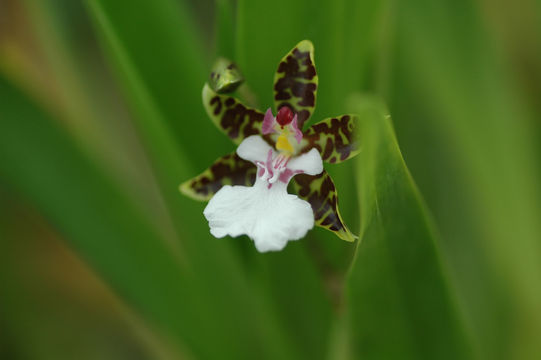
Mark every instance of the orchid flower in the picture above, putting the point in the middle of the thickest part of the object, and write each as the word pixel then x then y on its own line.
pixel 247 189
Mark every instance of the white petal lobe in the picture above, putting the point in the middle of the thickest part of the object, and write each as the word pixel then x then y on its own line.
pixel 254 148
pixel 270 217
pixel 309 163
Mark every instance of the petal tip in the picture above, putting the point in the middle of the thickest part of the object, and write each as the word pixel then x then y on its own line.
pixel 305 45
pixel 347 235
pixel 186 189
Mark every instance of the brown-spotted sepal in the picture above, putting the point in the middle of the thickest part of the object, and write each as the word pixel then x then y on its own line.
pixel 295 81
pixel 230 116
pixel 335 138
pixel 320 192
pixel 227 170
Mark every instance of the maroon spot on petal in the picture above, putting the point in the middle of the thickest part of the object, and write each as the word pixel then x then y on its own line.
pixel 229 102
pixel 326 187
pixel 306 92
pixel 302 116
pixel 303 181
pixel 296 67
pixel 239 117
pixel 254 117
pixel 320 212
pixel 229 169
pixel 345 153
pixel 328 149
pixel 218 107
pixel 204 180
pixel 335 227
pixel 327 221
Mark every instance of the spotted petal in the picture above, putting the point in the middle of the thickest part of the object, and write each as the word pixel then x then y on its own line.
pixel 335 138
pixel 320 192
pixel 295 81
pixel 227 170
pixel 230 116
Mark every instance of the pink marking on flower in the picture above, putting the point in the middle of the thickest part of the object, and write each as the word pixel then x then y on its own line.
pixel 288 174
pixel 279 162
pixel 268 123
pixel 269 163
pixel 269 159
pixel 261 167
pixel 274 168
pixel 298 132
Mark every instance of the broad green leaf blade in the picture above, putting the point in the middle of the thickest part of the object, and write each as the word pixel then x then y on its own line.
pixel 230 116
pixel 401 304
pixel 295 81
pixel 215 267
pixel 40 307
pixel 164 50
pixel 225 28
pixel 335 138
pixel 321 193
pixel 484 152
pixel 227 170
pixel 43 164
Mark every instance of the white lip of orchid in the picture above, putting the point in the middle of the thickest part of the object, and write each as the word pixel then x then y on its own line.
pixel 265 212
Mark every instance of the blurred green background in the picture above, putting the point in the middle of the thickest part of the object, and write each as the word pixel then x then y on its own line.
pixel 101 120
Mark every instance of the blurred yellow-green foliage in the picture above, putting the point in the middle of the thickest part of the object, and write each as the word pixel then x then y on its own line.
pixel 101 119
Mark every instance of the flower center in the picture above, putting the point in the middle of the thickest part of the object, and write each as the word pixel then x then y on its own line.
pixel 284 118
pixel 283 144
pixel 275 169
pixel 285 125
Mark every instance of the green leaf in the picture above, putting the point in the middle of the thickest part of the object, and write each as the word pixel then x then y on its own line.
pixel 174 289
pixel 295 81
pixel 163 51
pixel 335 138
pixel 224 33
pixel 480 169
pixel 44 165
pixel 214 264
pixel 401 303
